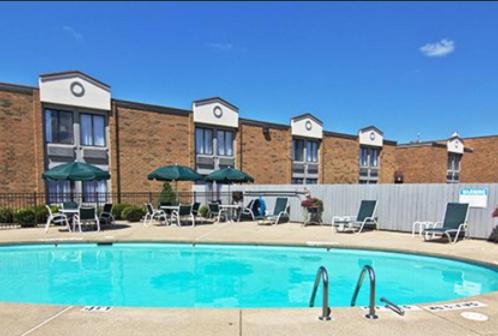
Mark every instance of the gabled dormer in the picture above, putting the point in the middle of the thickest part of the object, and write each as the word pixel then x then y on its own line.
pixel 215 111
pixel 455 144
pixel 74 88
pixel 307 126
pixel 371 136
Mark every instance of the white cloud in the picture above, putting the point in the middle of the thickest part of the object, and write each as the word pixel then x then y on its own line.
pixel 220 46
pixel 438 49
pixel 71 31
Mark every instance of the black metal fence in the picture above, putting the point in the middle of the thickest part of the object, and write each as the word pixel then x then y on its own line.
pixel 17 201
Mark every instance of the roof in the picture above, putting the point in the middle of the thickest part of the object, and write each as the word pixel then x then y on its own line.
pixel 371 127
pixel 17 88
pixel 151 107
pixel 215 99
pixel 307 115
pixel 74 72
pixel 263 123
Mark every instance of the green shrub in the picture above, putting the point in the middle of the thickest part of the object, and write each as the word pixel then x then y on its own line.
pixel 133 213
pixel 6 215
pixel 203 211
pixel 117 210
pixel 26 217
pixel 167 196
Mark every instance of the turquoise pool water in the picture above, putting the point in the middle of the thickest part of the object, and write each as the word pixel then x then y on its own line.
pixel 174 275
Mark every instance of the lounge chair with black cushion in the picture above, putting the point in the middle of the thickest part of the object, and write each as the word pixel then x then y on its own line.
pixel 195 208
pixel 106 216
pixel 184 212
pixel 86 215
pixel 153 214
pixel 365 218
pixel 453 225
pixel 248 212
pixel 56 218
pixel 280 212
pixel 215 211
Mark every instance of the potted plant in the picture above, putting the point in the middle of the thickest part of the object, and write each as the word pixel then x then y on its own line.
pixel 313 209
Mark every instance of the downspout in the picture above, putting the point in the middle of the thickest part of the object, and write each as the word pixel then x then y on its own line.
pixel 118 149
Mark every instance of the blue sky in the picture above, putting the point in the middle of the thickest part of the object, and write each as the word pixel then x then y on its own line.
pixel 404 67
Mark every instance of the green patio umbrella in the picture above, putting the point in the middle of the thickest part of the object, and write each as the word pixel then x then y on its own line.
pixel 228 176
pixel 174 173
pixel 76 171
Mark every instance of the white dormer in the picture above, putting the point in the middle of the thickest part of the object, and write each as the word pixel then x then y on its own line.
pixel 74 88
pixel 215 111
pixel 371 136
pixel 455 144
pixel 308 126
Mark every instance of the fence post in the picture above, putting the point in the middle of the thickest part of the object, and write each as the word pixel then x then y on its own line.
pixel 35 203
pixel 150 197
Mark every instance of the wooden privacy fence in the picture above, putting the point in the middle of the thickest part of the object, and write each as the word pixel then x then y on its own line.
pixel 399 205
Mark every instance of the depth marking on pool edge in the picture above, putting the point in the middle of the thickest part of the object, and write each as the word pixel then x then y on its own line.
pixel 454 306
pixel 96 309
pixel 46 321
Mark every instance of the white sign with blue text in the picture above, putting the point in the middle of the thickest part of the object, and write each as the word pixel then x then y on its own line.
pixel 476 197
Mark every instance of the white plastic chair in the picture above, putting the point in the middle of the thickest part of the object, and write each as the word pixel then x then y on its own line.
pixel 56 219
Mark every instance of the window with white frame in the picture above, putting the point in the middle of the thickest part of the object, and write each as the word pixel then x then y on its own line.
pixel 204 141
pixel 59 127
pixel 92 129
pixel 305 150
pixel 453 173
pixel 94 191
pixel 369 164
pixel 224 141
pixel 58 191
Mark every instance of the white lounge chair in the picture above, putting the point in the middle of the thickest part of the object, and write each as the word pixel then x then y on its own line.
pixel 152 214
pixel 454 223
pixel 366 217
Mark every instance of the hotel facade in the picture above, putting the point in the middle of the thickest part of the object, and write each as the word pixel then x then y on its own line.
pixel 72 116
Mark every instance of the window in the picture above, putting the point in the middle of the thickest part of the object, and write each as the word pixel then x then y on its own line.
pixel 297 180
pixel 225 143
pixel 369 164
pixel 204 141
pixel 92 129
pixel 453 174
pixel 311 181
pixel 94 190
pixel 311 151
pixel 298 146
pixel 58 191
pixel 59 126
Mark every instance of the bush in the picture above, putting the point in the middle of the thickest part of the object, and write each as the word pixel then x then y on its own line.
pixel 203 211
pixel 26 217
pixel 6 215
pixel 117 210
pixel 167 196
pixel 133 213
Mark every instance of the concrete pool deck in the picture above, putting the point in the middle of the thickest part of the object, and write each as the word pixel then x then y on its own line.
pixel 25 319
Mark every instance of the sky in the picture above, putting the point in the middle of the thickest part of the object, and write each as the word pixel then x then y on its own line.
pixel 416 70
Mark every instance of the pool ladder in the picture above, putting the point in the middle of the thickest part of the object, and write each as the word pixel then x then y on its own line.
pixel 323 275
pixel 371 305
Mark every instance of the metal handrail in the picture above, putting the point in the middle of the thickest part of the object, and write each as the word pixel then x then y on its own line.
pixel 394 307
pixel 371 306
pixel 324 276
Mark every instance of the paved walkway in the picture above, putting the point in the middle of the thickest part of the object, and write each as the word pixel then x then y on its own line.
pixel 21 319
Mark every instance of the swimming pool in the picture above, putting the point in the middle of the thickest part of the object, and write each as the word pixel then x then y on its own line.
pixel 183 275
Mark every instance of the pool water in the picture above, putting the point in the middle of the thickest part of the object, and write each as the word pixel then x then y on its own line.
pixel 177 275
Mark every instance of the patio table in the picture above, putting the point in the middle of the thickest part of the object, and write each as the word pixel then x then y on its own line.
pixel 172 209
pixel 230 208
pixel 70 214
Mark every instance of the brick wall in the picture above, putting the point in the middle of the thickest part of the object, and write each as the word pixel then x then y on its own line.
pixel 149 140
pixel 480 165
pixel 339 160
pixel 423 164
pixel 266 158
pixel 21 149
pixel 388 164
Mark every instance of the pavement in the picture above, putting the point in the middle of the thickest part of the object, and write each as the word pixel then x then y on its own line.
pixel 30 319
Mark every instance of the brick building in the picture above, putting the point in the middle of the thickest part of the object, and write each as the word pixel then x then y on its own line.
pixel 72 116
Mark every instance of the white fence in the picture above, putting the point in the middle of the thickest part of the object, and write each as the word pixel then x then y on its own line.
pixel 399 205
